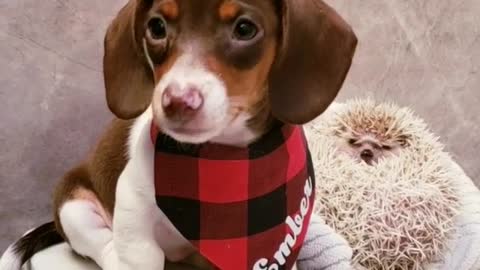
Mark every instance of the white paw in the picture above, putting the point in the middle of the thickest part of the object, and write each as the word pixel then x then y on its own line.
pixel 136 256
pixel 110 258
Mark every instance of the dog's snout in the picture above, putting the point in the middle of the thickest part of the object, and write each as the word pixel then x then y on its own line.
pixel 181 103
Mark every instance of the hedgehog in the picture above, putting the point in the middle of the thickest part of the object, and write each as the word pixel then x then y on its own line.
pixel 384 183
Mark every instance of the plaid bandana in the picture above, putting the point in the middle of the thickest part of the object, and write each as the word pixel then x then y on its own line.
pixel 242 208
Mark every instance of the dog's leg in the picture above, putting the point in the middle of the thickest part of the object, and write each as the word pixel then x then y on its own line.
pixel 137 217
pixel 134 222
pixel 88 231
pixel 142 234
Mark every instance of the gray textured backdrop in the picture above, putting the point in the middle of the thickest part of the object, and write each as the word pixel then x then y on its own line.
pixel 420 53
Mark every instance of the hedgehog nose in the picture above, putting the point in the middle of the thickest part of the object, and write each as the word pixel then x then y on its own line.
pixel 367 155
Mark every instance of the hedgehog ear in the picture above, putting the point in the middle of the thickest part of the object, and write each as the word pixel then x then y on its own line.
pixel 315 54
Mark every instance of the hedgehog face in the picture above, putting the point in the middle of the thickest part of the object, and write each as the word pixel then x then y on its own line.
pixel 368 148
pixel 369 131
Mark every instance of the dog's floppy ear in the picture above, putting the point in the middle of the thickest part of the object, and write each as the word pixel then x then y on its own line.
pixel 315 54
pixel 129 80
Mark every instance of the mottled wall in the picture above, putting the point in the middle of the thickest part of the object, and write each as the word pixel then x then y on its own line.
pixel 423 53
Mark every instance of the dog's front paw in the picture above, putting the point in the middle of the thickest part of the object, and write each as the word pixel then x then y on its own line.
pixel 138 255
pixel 110 258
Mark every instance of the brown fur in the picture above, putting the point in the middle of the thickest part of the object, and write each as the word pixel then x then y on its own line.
pixel 108 160
pixel 163 68
pixel 169 9
pixel 75 179
pixel 228 10
pixel 125 65
pixel 251 83
pixel 99 174
pixel 315 56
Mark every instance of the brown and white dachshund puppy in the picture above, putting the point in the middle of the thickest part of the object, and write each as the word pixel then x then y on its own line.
pixel 203 71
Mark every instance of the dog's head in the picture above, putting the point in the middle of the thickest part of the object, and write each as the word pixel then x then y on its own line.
pixel 203 65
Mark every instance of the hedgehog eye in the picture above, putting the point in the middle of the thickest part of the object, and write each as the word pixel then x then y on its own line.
pixel 352 142
pixel 402 142
pixel 387 147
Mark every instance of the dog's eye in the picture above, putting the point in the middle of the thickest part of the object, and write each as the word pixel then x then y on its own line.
pixel 157 29
pixel 245 30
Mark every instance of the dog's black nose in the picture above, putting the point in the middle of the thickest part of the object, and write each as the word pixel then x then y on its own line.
pixel 367 155
pixel 181 103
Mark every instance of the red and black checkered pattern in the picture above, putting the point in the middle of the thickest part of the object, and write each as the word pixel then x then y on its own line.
pixel 232 203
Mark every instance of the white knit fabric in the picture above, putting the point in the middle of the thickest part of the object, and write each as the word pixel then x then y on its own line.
pixel 325 250
pixel 59 257
pixel 464 248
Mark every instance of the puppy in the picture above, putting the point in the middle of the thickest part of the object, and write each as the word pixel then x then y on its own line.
pixel 213 71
